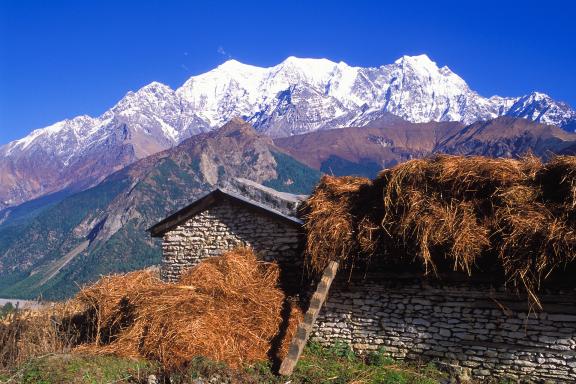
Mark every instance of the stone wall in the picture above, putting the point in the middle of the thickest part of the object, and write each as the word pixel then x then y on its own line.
pixel 224 226
pixel 467 325
pixel 485 332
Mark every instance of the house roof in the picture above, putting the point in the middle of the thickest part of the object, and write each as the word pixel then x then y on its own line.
pixel 208 200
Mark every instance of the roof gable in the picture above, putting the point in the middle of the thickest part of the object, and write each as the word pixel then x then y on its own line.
pixel 207 201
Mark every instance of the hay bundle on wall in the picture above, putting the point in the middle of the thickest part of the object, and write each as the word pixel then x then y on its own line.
pixel 455 208
pixel 330 220
pixel 558 182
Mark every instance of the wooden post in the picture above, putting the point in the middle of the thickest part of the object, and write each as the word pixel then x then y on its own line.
pixel 303 331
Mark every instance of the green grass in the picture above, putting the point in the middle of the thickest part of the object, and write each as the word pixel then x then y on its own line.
pixel 318 365
pixel 339 364
pixel 6 309
pixel 77 369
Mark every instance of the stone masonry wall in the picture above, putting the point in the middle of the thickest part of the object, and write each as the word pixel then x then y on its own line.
pixel 471 326
pixel 223 227
pixel 486 333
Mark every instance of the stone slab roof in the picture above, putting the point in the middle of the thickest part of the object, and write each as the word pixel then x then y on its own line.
pixel 221 194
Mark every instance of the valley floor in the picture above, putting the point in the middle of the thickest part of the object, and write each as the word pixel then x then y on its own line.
pixel 21 303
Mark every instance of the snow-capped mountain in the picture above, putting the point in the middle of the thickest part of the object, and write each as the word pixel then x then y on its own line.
pixel 543 109
pixel 79 152
pixel 302 95
pixel 293 97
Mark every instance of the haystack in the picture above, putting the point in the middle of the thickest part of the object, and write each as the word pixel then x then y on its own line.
pixel 227 308
pixel 35 332
pixel 450 208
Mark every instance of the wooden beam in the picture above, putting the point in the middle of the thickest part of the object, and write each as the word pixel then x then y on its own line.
pixel 305 328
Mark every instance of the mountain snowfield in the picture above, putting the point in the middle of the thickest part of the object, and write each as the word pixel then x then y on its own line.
pixel 294 97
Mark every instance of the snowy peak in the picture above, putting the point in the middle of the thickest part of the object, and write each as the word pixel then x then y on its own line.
pixel 234 67
pixel 423 65
pixel 153 94
pixel 76 128
pixel 418 61
pixel 316 71
pixel 300 95
pixel 542 108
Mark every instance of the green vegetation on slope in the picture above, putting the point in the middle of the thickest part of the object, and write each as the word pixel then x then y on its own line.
pixel 49 236
pixel 77 369
pixel 166 187
pixel 293 176
pixel 127 250
pixel 30 209
pixel 338 166
pixel 130 201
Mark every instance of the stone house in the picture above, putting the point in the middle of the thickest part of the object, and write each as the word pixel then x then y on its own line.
pixel 467 324
pixel 224 219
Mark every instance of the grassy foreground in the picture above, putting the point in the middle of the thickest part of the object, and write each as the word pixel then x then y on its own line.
pixel 336 365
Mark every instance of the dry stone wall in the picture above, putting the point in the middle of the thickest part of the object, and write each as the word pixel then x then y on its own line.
pixel 224 226
pixel 471 328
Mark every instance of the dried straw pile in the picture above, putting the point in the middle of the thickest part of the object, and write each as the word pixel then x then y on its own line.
pixel 227 308
pixel 450 208
pixel 331 214
pixel 30 333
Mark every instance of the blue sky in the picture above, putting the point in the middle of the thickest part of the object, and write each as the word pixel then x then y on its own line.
pixel 59 59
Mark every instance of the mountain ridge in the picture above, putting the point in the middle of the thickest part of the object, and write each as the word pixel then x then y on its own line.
pixel 385 143
pixel 294 97
pixel 48 246
pixel 103 229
